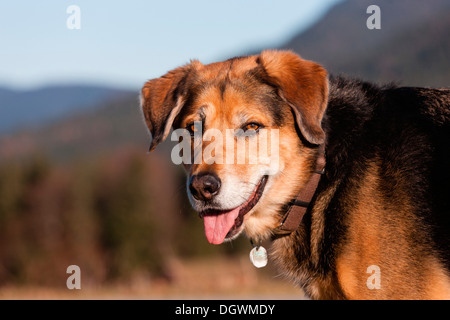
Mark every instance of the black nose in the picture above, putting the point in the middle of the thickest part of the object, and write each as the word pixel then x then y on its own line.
pixel 204 186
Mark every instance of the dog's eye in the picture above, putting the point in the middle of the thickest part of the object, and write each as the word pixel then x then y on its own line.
pixel 192 128
pixel 251 126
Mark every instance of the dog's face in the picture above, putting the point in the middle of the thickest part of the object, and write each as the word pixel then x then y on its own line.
pixel 274 101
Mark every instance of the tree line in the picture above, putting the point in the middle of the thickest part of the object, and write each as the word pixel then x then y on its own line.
pixel 117 217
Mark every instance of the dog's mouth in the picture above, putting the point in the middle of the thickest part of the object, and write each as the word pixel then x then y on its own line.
pixel 224 224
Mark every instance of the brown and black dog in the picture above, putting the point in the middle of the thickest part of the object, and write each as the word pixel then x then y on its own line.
pixel 383 203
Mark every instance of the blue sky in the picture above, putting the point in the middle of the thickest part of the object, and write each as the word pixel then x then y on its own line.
pixel 124 43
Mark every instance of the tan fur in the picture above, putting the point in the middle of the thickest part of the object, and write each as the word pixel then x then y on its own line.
pixel 377 232
pixel 372 219
pixel 438 281
pixel 222 109
pixel 220 114
pixel 284 255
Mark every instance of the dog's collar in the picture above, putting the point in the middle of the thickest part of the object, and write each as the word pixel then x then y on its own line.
pixel 297 207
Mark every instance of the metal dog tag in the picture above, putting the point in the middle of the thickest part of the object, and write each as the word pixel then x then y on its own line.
pixel 258 256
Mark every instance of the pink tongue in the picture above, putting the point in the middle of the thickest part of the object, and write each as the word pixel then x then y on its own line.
pixel 217 226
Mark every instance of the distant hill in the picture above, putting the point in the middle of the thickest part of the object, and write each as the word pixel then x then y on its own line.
pixel 106 126
pixel 412 47
pixel 19 109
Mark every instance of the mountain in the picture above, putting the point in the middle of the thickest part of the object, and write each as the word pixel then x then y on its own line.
pixel 107 126
pixel 19 109
pixel 411 48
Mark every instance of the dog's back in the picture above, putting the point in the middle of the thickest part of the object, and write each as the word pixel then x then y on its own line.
pixel 388 166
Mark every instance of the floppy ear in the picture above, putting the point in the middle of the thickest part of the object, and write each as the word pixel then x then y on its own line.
pixel 303 85
pixel 162 100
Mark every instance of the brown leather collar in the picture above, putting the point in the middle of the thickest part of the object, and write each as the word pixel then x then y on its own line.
pixel 298 206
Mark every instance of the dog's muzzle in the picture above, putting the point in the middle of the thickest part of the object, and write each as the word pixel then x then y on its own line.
pixel 204 186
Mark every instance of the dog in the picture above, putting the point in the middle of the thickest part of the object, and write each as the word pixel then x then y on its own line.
pixel 377 223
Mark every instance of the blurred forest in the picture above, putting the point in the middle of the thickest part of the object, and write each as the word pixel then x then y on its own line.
pixel 117 217
pixel 83 190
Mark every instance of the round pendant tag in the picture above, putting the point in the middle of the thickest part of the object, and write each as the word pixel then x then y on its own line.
pixel 258 256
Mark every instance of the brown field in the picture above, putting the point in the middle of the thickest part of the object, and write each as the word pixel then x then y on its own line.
pixel 206 278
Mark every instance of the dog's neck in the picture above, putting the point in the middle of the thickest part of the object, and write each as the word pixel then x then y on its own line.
pixel 296 208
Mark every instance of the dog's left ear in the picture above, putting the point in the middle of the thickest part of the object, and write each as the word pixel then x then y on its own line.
pixel 303 85
pixel 162 100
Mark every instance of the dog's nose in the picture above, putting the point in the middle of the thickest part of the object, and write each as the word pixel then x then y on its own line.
pixel 204 186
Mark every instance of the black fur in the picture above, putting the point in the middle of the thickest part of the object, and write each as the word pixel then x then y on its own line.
pixel 409 129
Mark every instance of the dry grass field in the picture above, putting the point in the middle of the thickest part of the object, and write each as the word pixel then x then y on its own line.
pixel 206 278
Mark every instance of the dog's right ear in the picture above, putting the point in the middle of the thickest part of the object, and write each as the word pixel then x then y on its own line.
pixel 162 100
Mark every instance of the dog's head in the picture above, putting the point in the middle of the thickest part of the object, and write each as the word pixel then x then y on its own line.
pixel 275 100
